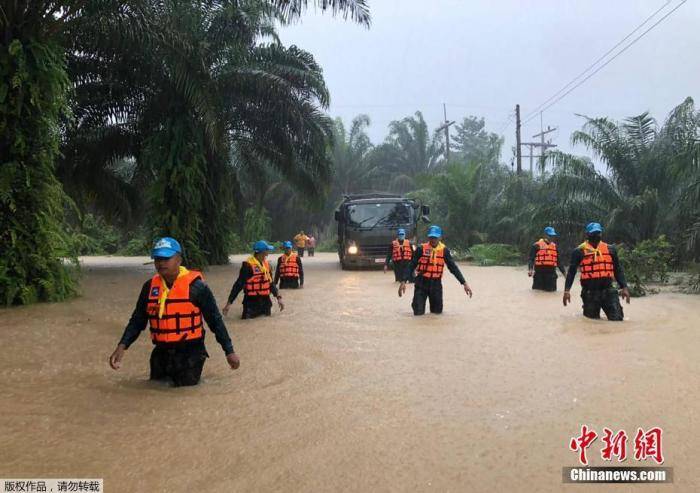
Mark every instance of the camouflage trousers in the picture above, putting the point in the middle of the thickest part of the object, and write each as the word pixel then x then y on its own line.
pixel 606 299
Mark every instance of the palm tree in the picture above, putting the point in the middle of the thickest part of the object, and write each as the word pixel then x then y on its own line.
pixel 635 195
pixel 33 43
pixel 353 169
pixel 409 151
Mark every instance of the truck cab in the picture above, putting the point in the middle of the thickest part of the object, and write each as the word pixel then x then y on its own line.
pixel 367 224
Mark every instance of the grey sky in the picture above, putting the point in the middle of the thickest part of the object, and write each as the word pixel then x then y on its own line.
pixel 483 57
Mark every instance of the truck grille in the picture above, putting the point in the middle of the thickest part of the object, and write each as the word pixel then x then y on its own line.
pixel 373 250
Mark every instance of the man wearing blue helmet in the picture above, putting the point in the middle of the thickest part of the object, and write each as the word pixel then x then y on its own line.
pixel 543 261
pixel 428 262
pixel 174 302
pixel 255 280
pixel 400 254
pixel 599 265
pixel 289 272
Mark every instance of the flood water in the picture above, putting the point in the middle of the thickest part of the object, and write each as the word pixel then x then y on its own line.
pixel 345 390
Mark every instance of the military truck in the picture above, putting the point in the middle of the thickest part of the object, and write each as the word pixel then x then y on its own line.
pixel 367 224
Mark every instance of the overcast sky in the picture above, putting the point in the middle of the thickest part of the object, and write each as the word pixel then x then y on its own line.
pixel 483 57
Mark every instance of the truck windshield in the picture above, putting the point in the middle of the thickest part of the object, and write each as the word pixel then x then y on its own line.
pixel 382 214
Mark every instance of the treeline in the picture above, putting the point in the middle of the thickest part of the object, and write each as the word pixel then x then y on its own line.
pixel 159 117
pixel 646 182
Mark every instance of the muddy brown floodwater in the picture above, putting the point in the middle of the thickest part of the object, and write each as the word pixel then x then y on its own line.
pixel 346 391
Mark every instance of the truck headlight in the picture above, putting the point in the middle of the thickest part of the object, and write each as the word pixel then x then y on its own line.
pixel 352 249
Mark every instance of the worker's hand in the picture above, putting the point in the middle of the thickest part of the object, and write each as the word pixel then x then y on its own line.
pixel 385 268
pixel 226 308
pixel 301 286
pixel 233 361
pixel 115 361
pixel 625 295
pixel 567 298
pixel 279 302
pixel 467 289
pixel 402 288
pixel 530 273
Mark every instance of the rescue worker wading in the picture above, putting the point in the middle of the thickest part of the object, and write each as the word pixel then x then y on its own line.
pixel 400 254
pixel 599 264
pixel 429 261
pixel 300 242
pixel 289 272
pixel 255 280
pixel 174 302
pixel 543 262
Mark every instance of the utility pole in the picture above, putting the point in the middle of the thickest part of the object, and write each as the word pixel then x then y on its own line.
pixel 518 154
pixel 446 126
pixel 542 145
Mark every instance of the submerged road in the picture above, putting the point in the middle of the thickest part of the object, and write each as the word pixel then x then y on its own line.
pixel 346 391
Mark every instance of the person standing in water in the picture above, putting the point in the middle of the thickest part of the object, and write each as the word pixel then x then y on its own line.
pixel 300 242
pixel 174 302
pixel 255 280
pixel 599 265
pixel 289 272
pixel 311 245
pixel 429 261
pixel 400 255
pixel 543 261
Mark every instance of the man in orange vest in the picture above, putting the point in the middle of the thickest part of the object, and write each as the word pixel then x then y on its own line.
pixel 544 260
pixel 300 242
pixel 289 272
pixel 400 254
pixel 599 265
pixel 255 280
pixel 174 302
pixel 429 261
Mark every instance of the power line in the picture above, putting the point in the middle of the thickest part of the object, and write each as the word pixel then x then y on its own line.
pixel 572 81
pixel 607 62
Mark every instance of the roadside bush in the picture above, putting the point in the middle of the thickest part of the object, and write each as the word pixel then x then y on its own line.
pixel 648 262
pixel 487 254
pixel 93 236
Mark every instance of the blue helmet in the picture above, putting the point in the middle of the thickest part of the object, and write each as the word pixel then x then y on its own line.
pixel 262 246
pixel 434 231
pixel 165 248
pixel 594 228
pixel 401 232
pixel 549 231
pixel 287 244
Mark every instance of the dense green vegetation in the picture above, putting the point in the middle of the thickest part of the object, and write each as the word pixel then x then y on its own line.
pixel 123 121
pixel 150 114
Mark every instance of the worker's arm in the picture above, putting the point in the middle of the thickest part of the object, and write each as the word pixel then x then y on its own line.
pixel 452 266
pixel 301 271
pixel 619 271
pixel 139 318
pixel 531 256
pixel 275 292
pixel 277 271
pixel 237 287
pixel 560 260
pixel 202 297
pixel 417 254
pixel 576 257
pixel 388 254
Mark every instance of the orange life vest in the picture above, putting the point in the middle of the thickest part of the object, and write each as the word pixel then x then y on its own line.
pixel 432 262
pixel 181 319
pixel 401 252
pixel 546 255
pixel 289 267
pixel 259 283
pixel 596 263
